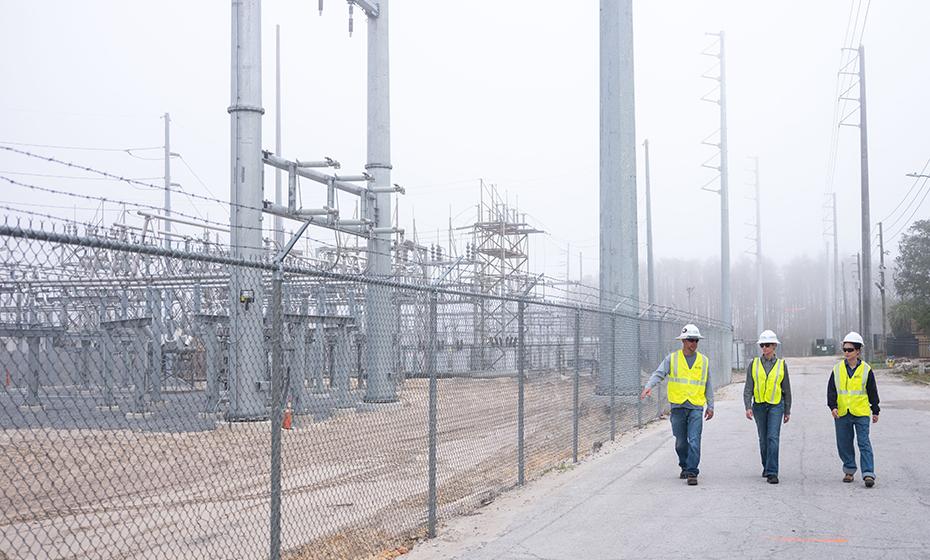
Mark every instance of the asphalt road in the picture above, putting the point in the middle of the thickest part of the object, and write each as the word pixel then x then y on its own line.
pixel 627 502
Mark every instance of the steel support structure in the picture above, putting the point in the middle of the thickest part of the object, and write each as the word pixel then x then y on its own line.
pixel 380 320
pixel 619 258
pixel 247 373
pixel 866 280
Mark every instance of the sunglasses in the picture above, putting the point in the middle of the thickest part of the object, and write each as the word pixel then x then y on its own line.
pixel 766 345
pixel 694 340
pixel 846 349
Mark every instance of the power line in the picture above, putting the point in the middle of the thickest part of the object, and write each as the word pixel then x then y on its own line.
pixel 907 222
pixel 78 177
pixel 113 201
pixel 140 205
pixel 124 179
pixel 196 176
pixel 916 180
pixel 83 148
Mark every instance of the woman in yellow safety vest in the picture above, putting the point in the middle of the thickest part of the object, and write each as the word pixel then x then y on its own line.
pixel 852 397
pixel 767 396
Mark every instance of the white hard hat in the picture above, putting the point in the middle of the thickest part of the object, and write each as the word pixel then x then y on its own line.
pixel 854 337
pixel 689 331
pixel 768 336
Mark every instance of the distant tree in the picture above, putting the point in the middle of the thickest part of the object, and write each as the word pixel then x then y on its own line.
pixel 912 279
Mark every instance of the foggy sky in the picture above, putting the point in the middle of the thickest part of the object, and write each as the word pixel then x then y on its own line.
pixel 500 90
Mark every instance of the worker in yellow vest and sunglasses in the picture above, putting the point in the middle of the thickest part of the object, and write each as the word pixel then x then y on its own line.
pixel 852 396
pixel 689 391
pixel 767 396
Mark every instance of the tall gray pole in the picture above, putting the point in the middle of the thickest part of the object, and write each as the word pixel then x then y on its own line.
pixel 836 265
pixel 248 388
pixel 619 259
pixel 860 290
pixel 760 309
pixel 650 264
pixel 881 285
pixel 866 283
pixel 277 410
pixel 845 304
pixel 726 314
pixel 830 295
pixel 166 223
pixel 379 312
pixel 278 220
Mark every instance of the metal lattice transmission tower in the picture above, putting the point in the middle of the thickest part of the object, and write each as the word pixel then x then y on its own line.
pixel 500 251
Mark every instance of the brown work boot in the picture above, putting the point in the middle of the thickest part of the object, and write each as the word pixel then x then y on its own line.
pixel 692 480
pixel 848 477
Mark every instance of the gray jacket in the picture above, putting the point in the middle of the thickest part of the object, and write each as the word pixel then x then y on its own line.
pixel 666 366
pixel 749 389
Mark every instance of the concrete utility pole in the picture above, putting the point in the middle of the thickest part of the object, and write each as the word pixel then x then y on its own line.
pixel 726 314
pixel 380 319
pixel 859 291
pixel 845 306
pixel 248 387
pixel 836 259
pixel 866 237
pixel 650 265
pixel 830 295
pixel 760 309
pixel 881 285
pixel 831 281
pixel 166 223
pixel 619 259
pixel 278 220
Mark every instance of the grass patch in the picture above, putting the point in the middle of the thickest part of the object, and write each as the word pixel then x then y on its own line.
pixel 913 376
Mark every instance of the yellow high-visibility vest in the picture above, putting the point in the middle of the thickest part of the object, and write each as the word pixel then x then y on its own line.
pixel 851 396
pixel 687 383
pixel 767 388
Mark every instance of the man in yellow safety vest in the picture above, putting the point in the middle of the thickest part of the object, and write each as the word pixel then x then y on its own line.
pixel 767 396
pixel 852 397
pixel 689 391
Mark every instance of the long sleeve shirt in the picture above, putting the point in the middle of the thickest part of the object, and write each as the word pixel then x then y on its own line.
pixel 871 388
pixel 749 389
pixel 666 366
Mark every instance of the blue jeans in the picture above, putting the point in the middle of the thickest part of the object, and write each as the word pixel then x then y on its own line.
pixel 687 425
pixel 846 426
pixel 768 419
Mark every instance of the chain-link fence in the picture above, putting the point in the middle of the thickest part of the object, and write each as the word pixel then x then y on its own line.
pixel 183 404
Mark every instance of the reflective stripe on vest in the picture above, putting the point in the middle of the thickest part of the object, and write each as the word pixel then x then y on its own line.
pixel 687 383
pixel 851 395
pixel 767 388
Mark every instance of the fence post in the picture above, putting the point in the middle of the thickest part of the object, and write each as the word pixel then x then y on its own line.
pixel 431 371
pixel 613 376
pixel 639 374
pixel 276 388
pixel 575 382
pixel 521 352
